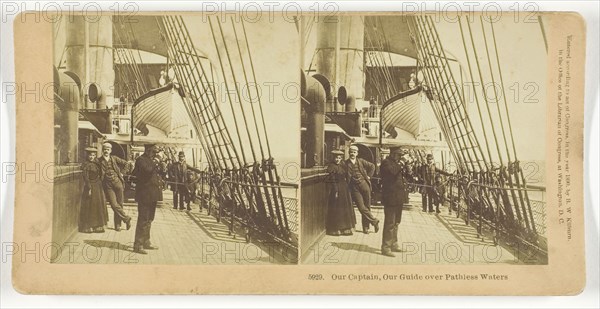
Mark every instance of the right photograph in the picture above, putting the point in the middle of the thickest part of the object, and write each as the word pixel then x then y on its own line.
pixel 423 139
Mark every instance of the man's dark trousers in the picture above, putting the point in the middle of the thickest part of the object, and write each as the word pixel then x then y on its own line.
pixel 146 213
pixel 393 216
pixel 114 194
pixel 427 196
pixel 361 195
pixel 181 197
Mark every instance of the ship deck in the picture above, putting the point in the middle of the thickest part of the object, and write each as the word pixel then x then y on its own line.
pixel 424 238
pixel 196 238
pixel 182 237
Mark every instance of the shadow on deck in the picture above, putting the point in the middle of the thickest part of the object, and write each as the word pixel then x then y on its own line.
pixel 424 238
pixel 183 238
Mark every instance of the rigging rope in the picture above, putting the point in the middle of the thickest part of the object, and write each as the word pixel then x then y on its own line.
pixel 215 137
pixel 519 171
pixel 227 88
pixel 492 184
pixel 262 116
pixel 447 110
pixel 247 178
pixel 249 93
pixel 222 134
pixel 487 103
pixel 497 102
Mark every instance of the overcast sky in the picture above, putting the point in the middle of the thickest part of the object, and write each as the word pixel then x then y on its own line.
pixel 523 62
pixel 274 52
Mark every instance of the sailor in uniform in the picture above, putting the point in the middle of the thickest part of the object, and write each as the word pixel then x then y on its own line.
pixel 393 198
pixel 147 194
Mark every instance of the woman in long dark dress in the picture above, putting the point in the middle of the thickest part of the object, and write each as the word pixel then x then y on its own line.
pixel 340 214
pixel 93 214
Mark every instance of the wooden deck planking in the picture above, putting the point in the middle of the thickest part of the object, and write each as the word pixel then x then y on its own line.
pixel 183 238
pixel 426 238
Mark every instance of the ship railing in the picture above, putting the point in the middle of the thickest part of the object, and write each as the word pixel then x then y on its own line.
pixel 483 206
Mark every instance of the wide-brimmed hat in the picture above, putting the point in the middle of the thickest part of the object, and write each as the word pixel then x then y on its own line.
pixel 337 152
pixel 91 149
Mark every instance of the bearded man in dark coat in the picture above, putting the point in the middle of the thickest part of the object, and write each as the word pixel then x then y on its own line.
pixel 147 194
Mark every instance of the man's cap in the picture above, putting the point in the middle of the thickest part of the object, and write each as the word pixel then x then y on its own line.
pixel 337 152
pixel 91 149
pixel 149 146
pixel 354 147
pixel 429 156
pixel 107 145
pixel 181 154
pixel 399 151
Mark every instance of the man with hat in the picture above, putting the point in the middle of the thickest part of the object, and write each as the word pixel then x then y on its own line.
pixel 359 178
pixel 428 172
pixel 113 184
pixel 178 174
pixel 393 198
pixel 147 194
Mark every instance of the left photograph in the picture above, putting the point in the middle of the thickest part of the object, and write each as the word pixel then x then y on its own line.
pixel 165 146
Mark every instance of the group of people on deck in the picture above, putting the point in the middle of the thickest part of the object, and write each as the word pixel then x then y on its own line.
pixel 103 180
pixel 349 183
pixel 183 180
